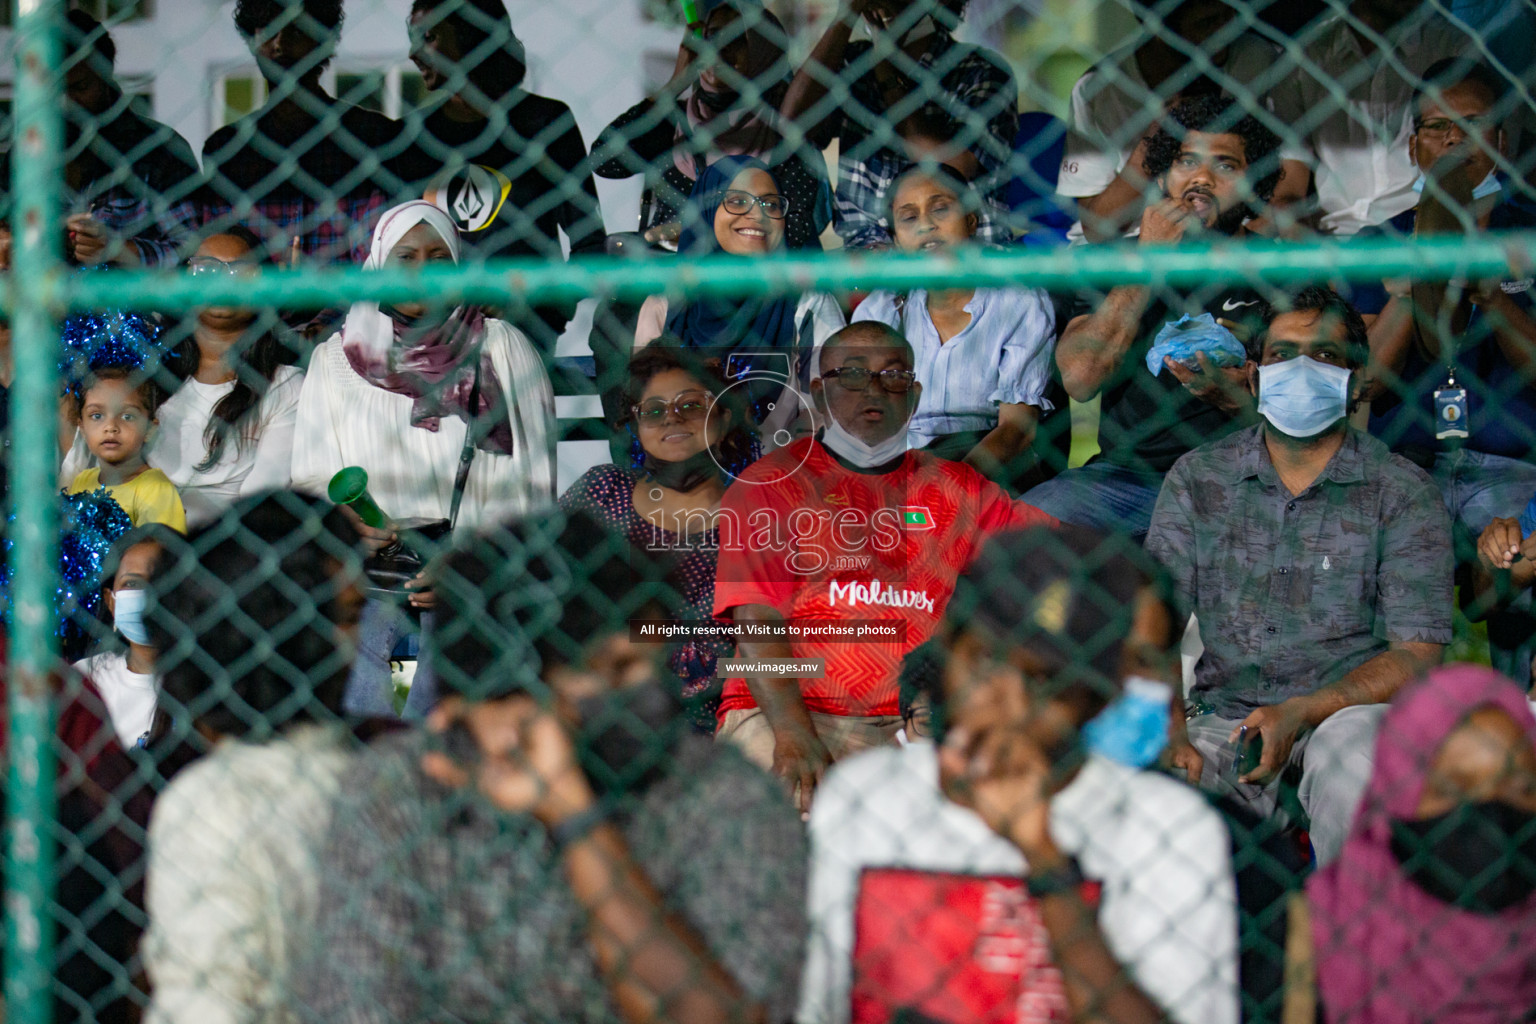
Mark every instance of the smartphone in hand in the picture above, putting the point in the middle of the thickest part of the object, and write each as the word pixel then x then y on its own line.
pixel 1248 749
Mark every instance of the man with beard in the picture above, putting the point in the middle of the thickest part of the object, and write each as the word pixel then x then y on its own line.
pixel 1168 383
pixel 856 542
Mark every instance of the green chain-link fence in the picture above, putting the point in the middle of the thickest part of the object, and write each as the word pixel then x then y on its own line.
pixel 200 217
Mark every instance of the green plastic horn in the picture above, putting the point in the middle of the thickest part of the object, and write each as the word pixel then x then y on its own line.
pixel 350 487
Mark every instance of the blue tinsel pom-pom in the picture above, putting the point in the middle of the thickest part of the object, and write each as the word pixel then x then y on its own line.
pixel 89 524
pixel 114 338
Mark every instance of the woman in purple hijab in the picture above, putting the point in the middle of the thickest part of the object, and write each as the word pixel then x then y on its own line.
pixel 396 393
pixel 1428 916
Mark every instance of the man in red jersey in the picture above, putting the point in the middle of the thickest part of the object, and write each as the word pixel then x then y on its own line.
pixel 853 543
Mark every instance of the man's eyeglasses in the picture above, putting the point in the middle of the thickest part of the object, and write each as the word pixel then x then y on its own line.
pixel 1439 127
pixel 214 265
pixel 856 378
pixel 690 405
pixel 737 203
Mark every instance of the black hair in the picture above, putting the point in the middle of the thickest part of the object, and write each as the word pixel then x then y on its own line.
pixel 945 175
pixel 149 533
pixel 246 622
pixel 170 543
pixel 81 30
pixel 256 365
pixel 1326 302
pixel 1068 596
pixel 492 56
pixel 252 16
pixel 547 587
pixel 1453 71
pixel 142 382
pixel 739 447
pixel 1216 115
pixel 1169 14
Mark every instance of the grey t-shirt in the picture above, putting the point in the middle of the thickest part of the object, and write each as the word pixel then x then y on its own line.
pixel 436 906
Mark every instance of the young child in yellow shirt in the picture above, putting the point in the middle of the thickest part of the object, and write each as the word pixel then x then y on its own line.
pixel 117 410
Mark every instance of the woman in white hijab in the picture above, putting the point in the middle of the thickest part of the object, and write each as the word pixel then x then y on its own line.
pixel 396 393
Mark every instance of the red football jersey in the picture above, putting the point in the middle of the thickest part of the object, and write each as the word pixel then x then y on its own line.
pixel 817 542
pixel 951 949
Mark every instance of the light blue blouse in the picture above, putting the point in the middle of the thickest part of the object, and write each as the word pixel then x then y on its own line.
pixel 1003 355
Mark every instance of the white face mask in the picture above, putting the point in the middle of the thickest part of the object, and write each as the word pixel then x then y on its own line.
pixel 1302 397
pixel 861 453
pixel 1487 187
pixel 128 615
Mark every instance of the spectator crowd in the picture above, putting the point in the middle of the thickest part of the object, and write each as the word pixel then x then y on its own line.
pixel 847 690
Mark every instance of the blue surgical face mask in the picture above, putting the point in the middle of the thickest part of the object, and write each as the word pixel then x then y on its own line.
pixel 1487 187
pixel 128 615
pixel 1302 397
pixel 1133 729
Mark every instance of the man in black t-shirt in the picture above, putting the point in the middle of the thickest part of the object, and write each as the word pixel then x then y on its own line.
pixel 510 186
pixel 1214 164
pixel 350 160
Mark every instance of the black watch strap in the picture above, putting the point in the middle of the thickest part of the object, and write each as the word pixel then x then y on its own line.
pixel 1065 877
pixel 578 826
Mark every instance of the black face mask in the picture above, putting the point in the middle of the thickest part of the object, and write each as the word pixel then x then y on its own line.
pixel 684 475
pixel 1479 857
pixel 627 736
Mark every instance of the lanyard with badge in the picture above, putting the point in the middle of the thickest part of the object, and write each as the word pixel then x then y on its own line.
pixel 1450 399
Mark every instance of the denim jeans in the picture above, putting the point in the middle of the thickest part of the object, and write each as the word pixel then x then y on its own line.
pixel 370 688
pixel 1101 496
pixel 1478 488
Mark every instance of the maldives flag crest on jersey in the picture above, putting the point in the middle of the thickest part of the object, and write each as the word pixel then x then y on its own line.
pixel 916 517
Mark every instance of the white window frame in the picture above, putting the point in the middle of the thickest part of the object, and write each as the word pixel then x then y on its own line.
pixel 394 71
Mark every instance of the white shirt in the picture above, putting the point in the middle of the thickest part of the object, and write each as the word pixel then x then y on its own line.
pixel 1002 355
pixel 1113 107
pixel 177 446
pixel 1169 905
pixel 1358 148
pixel 345 421
pixel 233 877
pixel 129 696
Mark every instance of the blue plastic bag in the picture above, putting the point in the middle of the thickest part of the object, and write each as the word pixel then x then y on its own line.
pixel 1186 337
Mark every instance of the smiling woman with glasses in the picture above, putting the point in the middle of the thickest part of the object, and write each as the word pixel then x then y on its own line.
pixel 707 111
pixel 689 439
pixel 738 209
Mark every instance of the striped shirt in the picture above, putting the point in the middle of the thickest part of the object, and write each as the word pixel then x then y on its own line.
pixel 1002 355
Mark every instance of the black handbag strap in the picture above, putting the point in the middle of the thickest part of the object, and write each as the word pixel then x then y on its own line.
pixel 467 455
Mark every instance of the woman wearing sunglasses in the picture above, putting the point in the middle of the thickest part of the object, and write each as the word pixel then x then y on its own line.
pixel 689 441
pixel 983 354
pixel 737 209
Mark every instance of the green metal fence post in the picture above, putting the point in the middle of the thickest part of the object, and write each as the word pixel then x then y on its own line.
pixel 36 272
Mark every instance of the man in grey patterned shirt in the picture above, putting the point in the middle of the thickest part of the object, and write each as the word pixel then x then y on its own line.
pixel 585 858
pixel 1319 566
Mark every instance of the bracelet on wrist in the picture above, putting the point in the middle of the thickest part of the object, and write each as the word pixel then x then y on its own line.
pixel 578 826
